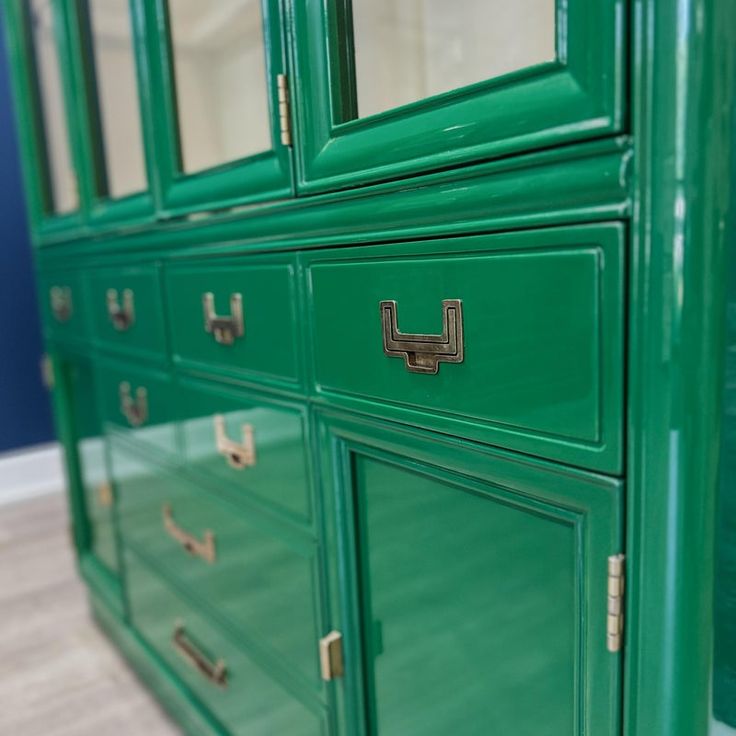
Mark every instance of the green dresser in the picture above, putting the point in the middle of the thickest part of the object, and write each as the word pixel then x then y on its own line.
pixel 386 343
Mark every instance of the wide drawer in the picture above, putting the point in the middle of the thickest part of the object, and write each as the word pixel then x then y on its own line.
pixel 253 578
pixel 513 339
pixel 241 441
pixel 241 696
pixel 126 310
pixel 63 305
pixel 139 404
pixel 235 317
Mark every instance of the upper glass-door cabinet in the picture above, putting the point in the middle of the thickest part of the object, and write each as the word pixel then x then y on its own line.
pixel 217 70
pixel 38 43
pixel 388 88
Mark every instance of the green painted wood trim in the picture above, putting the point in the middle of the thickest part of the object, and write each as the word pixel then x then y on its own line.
pixel 684 57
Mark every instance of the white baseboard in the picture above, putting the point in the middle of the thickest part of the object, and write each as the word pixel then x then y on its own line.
pixel 31 472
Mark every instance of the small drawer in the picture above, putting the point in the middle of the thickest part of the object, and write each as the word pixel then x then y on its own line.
pixel 63 305
pixel 126 310
pixel 139 404
pixel 246 443
pixel 235 317
pixel 241 695
pixel 255 578
pixel 515 339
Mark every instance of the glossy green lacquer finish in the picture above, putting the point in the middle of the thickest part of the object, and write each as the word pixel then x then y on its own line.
pixel 260 581
pixel 253 703
pixel 543 335
pixel 278 478
pixel 140 332
pixel 471 587
pixel 267 351
pixel 577 96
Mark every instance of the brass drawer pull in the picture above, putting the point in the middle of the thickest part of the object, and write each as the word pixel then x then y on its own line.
pixel 225 329
pixel 62 306
pixel 424 353
pixel 122 315
pixel 134 410
pixel 238 456
pixel 214 672
pixel 204 548
pixel 105 496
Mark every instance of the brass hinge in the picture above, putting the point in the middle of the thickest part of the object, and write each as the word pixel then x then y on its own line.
pixel 330 656
pixel 282 82
pixel 615 622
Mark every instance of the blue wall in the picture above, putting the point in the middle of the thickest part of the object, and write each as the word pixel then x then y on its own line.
pixel 25 417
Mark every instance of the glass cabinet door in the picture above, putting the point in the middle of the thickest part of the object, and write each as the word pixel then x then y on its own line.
pixel 388 88
pixel 217 68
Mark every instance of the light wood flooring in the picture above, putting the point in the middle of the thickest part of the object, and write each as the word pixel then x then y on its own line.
pixel 59 676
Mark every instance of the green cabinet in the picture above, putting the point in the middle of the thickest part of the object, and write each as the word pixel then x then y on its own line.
pixel 469 587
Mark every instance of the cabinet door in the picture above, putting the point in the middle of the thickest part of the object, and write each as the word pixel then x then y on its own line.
pixel 215 70
pixel 388 88
pixel 473 588
pixel 38 42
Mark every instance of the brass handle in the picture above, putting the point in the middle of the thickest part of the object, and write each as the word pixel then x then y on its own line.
pixel 331 661
pixel 238 456
pixel 424 353
pixel 135 410
pixel 214 672
pixel 47 372
pixel 122 315
pixel 204 548
pixel 62 306
pixel 104 495
pixel 224 329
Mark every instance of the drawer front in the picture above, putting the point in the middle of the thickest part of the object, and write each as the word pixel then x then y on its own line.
pixel 253 578
pixel 248 444
pixel 139 404
pixel 234 317
pixel 126 310
pixel 532 352
pixel 239 694
pixel 63 305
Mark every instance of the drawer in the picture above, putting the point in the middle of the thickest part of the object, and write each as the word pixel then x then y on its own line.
pixel 241 696
pixel 139 404
pixel 254 578
pixel 126 310
pixel 514 340
pixel 63 305
pixel 236 317
pixel 247 443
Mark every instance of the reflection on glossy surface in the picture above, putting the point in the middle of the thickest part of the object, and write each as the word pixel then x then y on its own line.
pixel 62 177
pixel 117 93
pixel 253 704
pixel 471 610
pixel 412 49
pixel 221 84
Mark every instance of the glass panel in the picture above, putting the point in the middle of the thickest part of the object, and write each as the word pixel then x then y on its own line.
pixel 221 86
pixel 62 177
pixel 117 95
pixel 406 50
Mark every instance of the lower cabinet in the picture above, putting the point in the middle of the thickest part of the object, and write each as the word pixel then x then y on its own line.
pixel 472 587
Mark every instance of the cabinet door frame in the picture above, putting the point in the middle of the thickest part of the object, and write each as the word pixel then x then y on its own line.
pixel 103 210
pixel 595 501
pixel 45 223
pixel 261 177
pixel 576 97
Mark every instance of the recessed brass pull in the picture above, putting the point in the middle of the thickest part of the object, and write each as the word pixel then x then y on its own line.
pixel 122 315
pixel 135 410
pixel 214 672
pixel 424 353
pixel 238 456
pixel 224 329
pixel 62 306
pixel 204 548
pixel 105 496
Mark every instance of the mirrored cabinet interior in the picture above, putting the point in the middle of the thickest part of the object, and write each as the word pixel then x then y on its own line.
pixel 387 342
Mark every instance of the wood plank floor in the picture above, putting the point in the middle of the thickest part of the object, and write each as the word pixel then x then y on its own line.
pixel 59 676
